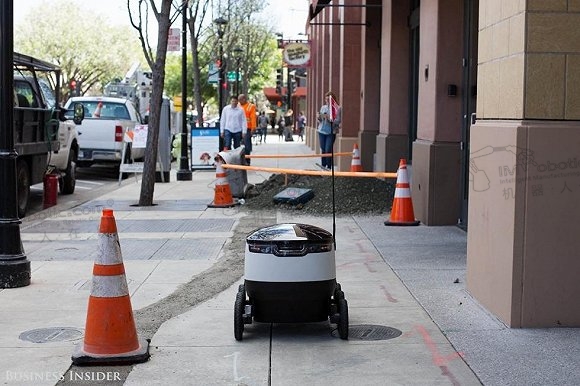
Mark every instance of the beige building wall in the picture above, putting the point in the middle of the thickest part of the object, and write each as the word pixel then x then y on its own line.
pixel 522 259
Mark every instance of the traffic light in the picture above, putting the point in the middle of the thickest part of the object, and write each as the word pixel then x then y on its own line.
pixel 279 81
pixel 72 85
pixel 293 84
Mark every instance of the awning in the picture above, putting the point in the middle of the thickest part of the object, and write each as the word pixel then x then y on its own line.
pixel 300 92
pixel 273 97
pixel 316 6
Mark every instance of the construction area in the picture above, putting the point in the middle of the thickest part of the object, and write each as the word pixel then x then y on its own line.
pixel 411 321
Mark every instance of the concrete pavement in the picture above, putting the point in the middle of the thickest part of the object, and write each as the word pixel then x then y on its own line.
pixel 408 279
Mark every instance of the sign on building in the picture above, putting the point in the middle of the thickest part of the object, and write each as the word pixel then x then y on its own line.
pixel 174 39
pixel 297 54
pixel 213 73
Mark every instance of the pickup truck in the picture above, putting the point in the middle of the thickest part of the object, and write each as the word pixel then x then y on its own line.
pixel 62 161
pixel 39 126
pixel 101 134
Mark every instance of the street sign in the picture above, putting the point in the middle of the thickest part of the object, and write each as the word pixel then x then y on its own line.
pixel 177 103
pixel 174 39
pixel 232 76
pixel 213 75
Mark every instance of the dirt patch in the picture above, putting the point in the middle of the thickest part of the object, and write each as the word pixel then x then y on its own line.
pixel 352 195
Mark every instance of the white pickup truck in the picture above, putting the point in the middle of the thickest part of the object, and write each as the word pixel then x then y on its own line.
pixel 64 159
pixel 100 136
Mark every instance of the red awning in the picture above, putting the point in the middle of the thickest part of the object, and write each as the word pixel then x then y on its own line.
pixel 273 97
pixel 300 92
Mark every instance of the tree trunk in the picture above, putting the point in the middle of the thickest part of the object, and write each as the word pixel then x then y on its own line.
pixel 158 70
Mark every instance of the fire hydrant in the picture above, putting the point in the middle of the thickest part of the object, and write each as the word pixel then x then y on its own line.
pixel 50 185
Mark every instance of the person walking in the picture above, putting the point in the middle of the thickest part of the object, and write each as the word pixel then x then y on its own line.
pixel 281 128
pixel 301 124
pixel 250 113
pixel 329 118
pixel 233 124
pixel 262 126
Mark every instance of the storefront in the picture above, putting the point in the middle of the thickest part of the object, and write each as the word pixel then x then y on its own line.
pixel 483 99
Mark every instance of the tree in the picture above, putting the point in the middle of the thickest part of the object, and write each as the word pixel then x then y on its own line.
pixel 173 74
pixel 197 13
pixel 259 58
pixel 257 42
pixel 92 52
pixel 165 15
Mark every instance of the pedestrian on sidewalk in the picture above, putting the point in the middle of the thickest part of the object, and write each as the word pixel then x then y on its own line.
pixel 301 124
pixel 262 126
pixel 233 124
pixel 281 128
pixel 250 113
pixel 329 118
pixel 288 126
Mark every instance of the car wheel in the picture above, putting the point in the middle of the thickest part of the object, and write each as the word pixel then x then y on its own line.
pixel 68 182
pixel 23 178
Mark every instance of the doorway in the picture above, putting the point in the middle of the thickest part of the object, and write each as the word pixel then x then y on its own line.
pixel 413 74
pixel 469 99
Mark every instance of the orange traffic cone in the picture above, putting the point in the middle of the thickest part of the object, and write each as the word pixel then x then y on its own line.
pixel 402 210
pixel 110 333
pixel 355 165
pixel 223 194
pixel 97 112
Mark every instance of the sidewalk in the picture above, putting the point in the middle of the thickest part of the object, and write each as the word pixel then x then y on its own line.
pixel 409 279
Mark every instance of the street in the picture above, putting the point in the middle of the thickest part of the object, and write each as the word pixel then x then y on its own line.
pixel 91 182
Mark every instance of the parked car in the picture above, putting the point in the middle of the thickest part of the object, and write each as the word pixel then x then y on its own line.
pixel 102 132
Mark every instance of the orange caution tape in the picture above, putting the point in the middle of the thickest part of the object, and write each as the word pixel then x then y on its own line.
pixel 311 172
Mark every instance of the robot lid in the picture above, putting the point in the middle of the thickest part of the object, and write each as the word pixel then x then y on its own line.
pixel 290 232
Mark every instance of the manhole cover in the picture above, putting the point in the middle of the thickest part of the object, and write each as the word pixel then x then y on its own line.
pixel 52 334
pixel 371 332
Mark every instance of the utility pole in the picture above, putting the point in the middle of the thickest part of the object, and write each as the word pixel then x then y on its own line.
pixel 221 24
pixel 14 265
pixel 288 89
pixel 184 172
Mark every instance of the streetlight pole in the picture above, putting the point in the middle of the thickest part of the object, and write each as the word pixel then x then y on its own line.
pixel 184 172
pixel 288 89
pixel 14 265
pixel 221 23
pixel 238 55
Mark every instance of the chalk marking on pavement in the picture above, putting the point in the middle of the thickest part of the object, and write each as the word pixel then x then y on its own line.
pixel 388 295
pixel 438 359
pixel 235 355
pixel 361 248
